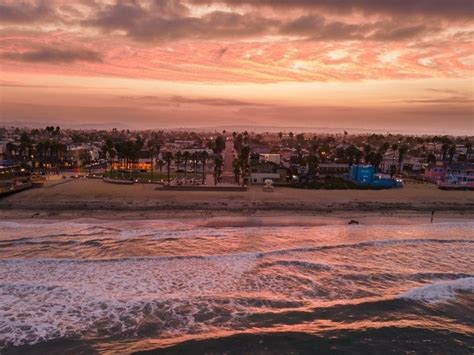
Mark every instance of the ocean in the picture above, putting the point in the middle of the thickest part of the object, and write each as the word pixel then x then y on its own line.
pixel 235 285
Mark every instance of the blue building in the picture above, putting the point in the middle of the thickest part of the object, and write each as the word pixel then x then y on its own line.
pixel 364 175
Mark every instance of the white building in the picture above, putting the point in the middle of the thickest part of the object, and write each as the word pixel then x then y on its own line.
pixel 259 178
pixel 3 147
pixel 272 158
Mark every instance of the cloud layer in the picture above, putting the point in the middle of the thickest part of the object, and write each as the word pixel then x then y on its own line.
pixel 256 41
pixel 54 55
pixel 212 43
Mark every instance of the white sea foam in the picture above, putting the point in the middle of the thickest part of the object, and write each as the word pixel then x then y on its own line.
pixel 47 299
pixel 440 291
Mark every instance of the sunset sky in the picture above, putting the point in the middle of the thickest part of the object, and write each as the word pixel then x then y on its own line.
pixel 390 65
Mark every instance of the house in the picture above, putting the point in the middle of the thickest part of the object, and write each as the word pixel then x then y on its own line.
pixel 332 170
pixel 286 153
pixel 435 173
pixel 13 178
pixel 3 148
pixel 261 150
pixel 413 164
pixel 192 151
pixel 184 144
pixel 389 163
pixel 81 154
pixel 459 175
pixel 273 158
pixel 456 175
pixel 261 171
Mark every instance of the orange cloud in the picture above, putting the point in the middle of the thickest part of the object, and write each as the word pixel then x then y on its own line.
pixel 249 47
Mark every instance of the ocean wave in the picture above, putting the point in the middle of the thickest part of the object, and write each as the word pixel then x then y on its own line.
pixel 68 312
pixel 196 280
pixel 298 263
pixel 373 243
pixel 440 291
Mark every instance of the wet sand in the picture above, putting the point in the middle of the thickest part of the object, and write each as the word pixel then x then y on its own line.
pixel 87 198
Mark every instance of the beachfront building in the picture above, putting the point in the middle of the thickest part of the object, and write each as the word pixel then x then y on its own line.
pixel 413 165
pixel 460 175
pixel 13 178
pixel 79 155
pixel 435 173
pixel 451 174
pixel 332 170
pixel 364 175
pixel 389 163
pixel 272 158
pixel 261 171
pixel 4 149
pixel 141 164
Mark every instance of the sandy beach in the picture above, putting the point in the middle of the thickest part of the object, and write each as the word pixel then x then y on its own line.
pixel 87 198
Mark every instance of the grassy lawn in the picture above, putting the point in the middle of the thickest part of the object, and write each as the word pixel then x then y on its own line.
pixel 156 176
pixel 140 176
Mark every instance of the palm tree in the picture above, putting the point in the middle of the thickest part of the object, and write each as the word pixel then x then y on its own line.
pixel 168 157
pixel 160 165
pixel 151 148
pixel 156 152
pixel 47 153
pixel 451 152
pixel 431 159
pixel 40 154
pixel 244 158
pixel 246 137
pixel 468 146
pixel 236 164
pixel 194 158
pixel 219 144
pixel 367 151
pixel 218 162
pixel 384 147
pixel 128 156
pixel 312 162
pixel 108 152
pixel 314 148
pixel 25 147
pixel 444 149
pixel 186 157
pixel 11 147
pixel 401 154
pixel 375 159
pixel 353 154
pixel 178 157
pixel 204 155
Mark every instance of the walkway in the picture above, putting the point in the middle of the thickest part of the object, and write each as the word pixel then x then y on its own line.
pixel 227 170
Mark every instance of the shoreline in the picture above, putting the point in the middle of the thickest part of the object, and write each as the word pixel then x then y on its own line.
pixel 223 218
